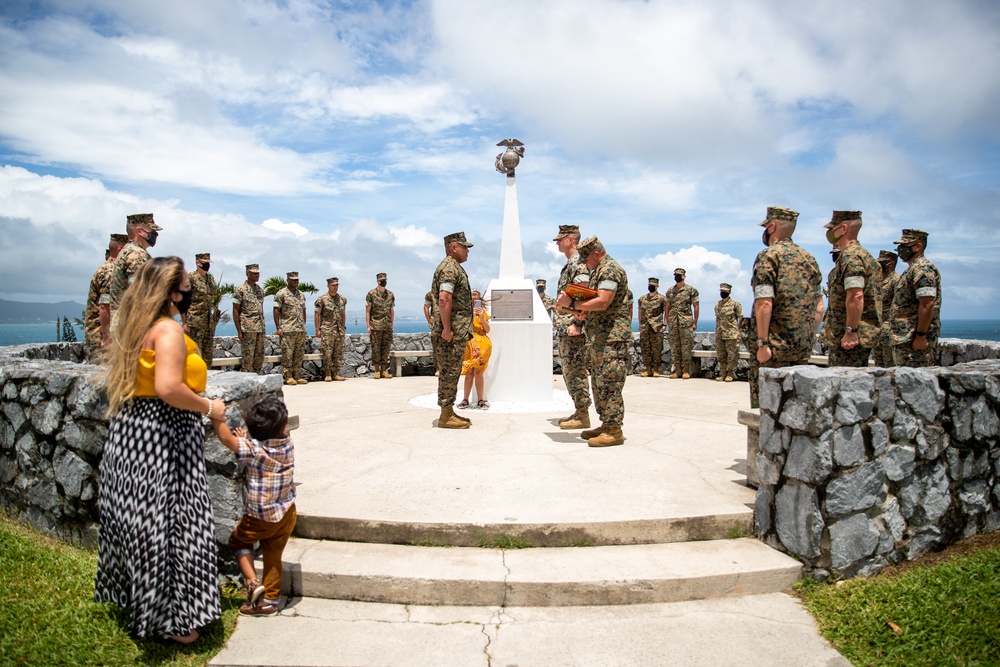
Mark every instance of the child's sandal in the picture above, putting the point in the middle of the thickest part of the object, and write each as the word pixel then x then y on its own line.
pixel 484 404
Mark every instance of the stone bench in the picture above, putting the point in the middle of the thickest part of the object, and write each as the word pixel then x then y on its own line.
pixel 222 362
pixel 399 355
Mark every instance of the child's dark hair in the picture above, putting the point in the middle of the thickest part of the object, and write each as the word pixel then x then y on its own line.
pixel 266 418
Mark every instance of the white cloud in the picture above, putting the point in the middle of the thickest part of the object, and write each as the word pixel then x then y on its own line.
pixel 705 269
pixel 293 228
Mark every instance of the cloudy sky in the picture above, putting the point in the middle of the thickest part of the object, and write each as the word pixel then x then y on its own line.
pixel 346 138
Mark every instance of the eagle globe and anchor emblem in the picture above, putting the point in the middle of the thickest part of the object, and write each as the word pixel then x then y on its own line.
pixel 508 160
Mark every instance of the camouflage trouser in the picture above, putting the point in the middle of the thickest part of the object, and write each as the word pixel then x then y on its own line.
pixel 381 342
pixel 681 339
pixel 905 355
pixel 651 345
pixel 448 361
pixel 748 332
pixel 253 351
pixel 858 357
pixel 205 338
pixel 728 353
pixel 610 364
pixel 292 346
pixel 575 360
pixel 332 348
pixel 883 348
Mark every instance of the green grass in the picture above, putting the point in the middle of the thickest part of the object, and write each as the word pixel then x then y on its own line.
pixel 947 613
pixel 50 618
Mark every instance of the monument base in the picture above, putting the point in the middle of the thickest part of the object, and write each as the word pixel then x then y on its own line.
pixel 520 368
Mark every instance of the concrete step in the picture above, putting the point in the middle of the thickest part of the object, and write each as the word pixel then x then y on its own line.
pixel 539 577
pixel 710 526
pixel 748 631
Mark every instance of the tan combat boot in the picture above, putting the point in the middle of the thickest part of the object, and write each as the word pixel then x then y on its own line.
pixel 674 375
pixel 302 380
pixel 386 374
pixel 656 374
pixel 377 373
pixel 449 419
pixel 594 432
pixel 721 378
pixel 645 373
pixel 610 438
pixel 729 377
pixel 338 378
pixel 327 378
pixel 579 419
pixel 686 376
pixel 289 379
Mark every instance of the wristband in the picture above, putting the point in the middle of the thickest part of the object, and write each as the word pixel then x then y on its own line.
pixel 209 413
pixel 578 323
pixel 920 333
pixel 762 342
pixel 848 329
pixel 572 304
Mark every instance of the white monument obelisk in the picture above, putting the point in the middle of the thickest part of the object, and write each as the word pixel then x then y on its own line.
pixel 520 369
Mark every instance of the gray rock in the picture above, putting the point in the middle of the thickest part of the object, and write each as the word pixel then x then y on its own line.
pixel 770 396
pixel 886 398
pixel 879 436
pixel 809 459
pixel 854 400
pixel 31 394
pixel 919 389
pixel 769 441
pixel 852 539
pixel 70 472
pixel 28 455
pixel 814 385
pixel 924 497
pixel 9 389
pixel 46 415
pixel 857 490
pixel 923 542
pixel 85 436
pixel 899 462
pixel 985 424
pixel 58 383
pixel 931 442
pixel 893 519
pixel 767 470
pixel 975 497
pixel 44 496
pixel 798 520
pixel 15 414
pixel 795 414
pixel 762 510
pixel 904 426
pixel 8 470
pixel 848 446
pixel 86 399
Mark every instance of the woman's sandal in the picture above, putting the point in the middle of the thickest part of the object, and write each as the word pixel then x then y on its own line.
pixel 484 404
pixel 463 404
pixel 189 638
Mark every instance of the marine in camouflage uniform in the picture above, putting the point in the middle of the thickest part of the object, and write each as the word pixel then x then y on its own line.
pixel 331 325
pixel 142 233
pixel 682 301
pixel 99 296
pixel 916 305
pixel 290 322
pixel 609 336
pixel 787 285
pixel 380 306
pixel 547 301
pixel 202 315
pixel 248 315
pixel 651 327
pixel 883 344
pixel 574 357
pixel 452 328
pixel 855 274
pixel 728 315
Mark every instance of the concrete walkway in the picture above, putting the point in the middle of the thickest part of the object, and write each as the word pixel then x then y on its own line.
pixel 372 470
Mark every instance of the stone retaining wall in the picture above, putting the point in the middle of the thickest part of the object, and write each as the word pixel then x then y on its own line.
pixel 52 433
pixel 862 468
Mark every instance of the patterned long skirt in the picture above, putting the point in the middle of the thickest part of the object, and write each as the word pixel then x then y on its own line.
pixel 157 552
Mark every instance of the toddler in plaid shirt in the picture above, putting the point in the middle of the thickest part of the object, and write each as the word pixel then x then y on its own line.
pixel 269 511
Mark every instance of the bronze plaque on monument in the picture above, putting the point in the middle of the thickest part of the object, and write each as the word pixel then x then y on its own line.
pixel 511 304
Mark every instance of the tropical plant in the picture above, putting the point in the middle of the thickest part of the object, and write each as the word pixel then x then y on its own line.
pixel 222 290
pixel 274 283
pixel 68 333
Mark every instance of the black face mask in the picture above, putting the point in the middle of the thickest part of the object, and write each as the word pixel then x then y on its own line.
pixel 151 238
pixel 724 295
pixel 678 277
pixel 205 267
pixel 652 288
pixel 765 239
pixel 905 253
pixel 185 302
pixel 835 255
pixel 541 290
pixel 382 283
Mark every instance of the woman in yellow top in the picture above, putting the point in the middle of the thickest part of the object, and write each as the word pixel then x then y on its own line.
pixel 477 354
pixel 157 552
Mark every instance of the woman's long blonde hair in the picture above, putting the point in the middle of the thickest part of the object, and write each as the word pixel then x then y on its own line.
pixel 145 301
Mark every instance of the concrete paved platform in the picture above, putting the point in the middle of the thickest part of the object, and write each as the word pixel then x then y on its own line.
pixel 543 577
pixel 750 631
pixel 371 466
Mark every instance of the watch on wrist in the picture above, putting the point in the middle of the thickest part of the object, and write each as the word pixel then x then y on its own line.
pixel 920 333
pixel 762 342
pixel 578 323
pixel 850 329
pixel 572 304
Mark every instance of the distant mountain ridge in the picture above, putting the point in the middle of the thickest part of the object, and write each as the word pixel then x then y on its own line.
pixel 21 312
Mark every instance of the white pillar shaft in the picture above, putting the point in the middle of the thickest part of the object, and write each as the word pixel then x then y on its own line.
pixel 511 259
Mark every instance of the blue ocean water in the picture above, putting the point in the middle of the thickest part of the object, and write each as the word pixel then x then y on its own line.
pixel 17 334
